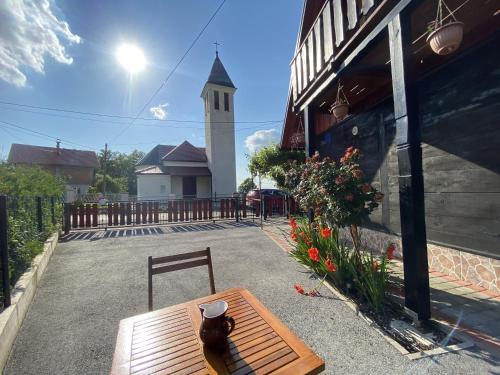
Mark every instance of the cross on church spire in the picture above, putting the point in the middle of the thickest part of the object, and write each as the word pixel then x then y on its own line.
pixel 216 48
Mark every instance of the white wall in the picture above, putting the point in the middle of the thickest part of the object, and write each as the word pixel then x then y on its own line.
pixel 177 186
pixel 150 187
pixel 203 187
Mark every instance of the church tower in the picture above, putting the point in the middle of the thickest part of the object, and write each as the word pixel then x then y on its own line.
pixel 218 95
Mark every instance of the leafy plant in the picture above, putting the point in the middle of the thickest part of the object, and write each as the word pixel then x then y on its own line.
pixel 247 185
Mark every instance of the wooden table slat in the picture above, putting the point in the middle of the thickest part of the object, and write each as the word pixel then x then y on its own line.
pixel 167 341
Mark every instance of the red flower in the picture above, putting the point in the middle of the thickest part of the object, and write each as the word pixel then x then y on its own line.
pixel 293 223
pixel 349 197
pixel 330 266
pixel 309 243
pixel 390 251
pixel 313 293
pixel 299 289
pixel 326 232
pixel 365 188
pixel 293 236
pixel 339 180
pixel 313 254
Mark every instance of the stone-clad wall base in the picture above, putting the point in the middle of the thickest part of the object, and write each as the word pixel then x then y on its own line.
pixel 478 270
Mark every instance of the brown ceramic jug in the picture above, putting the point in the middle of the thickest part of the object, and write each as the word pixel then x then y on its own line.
pixel 215 325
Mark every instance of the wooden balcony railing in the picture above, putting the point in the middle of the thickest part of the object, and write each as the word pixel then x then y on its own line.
pixel 336 25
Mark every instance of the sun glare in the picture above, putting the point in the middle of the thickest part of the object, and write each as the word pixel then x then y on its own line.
pixel 131 58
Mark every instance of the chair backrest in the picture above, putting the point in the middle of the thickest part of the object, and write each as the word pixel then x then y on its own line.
pixel 161 265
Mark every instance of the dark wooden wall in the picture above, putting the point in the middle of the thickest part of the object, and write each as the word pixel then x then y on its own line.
pixel 460 123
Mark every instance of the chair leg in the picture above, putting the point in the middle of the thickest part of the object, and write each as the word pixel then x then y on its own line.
pixel 210 272
pixel 150 283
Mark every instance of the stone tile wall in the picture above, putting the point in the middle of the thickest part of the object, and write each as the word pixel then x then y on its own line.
pixel 475 269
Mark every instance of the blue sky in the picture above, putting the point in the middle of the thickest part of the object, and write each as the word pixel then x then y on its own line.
pixel 79 70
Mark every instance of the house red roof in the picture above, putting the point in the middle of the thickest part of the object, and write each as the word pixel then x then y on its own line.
pixel 186 152
pixel 40 155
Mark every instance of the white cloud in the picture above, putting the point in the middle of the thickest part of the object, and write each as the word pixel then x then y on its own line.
pixel 260 139
pixel 159 111
pixel 29 31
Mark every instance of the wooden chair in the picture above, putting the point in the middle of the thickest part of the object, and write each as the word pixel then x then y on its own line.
pixel 162 266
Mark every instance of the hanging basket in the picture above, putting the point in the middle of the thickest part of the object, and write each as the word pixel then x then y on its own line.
pixel 340 110
pixel 447 38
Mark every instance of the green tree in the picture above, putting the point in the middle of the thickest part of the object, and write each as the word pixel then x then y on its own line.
pixel 273 162
pixel 29 181
pixel 120 171
pixel 247 185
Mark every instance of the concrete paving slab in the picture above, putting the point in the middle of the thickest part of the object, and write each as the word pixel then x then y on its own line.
pixel 91 284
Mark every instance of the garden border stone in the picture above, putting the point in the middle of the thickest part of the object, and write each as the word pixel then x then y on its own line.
pixel 22 294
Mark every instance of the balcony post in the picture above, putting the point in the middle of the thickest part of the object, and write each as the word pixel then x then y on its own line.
pixel 409 153
pixel 308 114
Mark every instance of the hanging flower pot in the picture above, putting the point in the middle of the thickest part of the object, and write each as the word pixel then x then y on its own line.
pixel 445 38
pixel 340 108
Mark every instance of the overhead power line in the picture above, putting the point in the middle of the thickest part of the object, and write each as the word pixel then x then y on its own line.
pixel 52 109
pixel 172 71
pixel 44 135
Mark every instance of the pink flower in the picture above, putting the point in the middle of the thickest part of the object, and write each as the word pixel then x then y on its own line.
pixel 349 197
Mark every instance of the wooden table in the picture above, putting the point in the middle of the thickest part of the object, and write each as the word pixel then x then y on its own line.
pixel 167 341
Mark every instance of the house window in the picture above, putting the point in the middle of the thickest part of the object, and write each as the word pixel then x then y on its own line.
pixel 163 188
pixel 216 99
pixel 226 102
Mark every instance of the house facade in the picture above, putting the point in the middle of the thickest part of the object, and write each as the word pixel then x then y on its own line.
pixel 76 167
pixel 426 123
pixel 186 171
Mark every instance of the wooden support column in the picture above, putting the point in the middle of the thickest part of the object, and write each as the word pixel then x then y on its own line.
pixel 411 183
pixel 308 114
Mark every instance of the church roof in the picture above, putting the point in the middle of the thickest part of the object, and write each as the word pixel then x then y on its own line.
pixel 155 156
pixel 218 74
pixel 185 152
pixel 174 171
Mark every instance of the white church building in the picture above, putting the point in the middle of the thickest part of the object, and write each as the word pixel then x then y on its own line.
pixel 185 171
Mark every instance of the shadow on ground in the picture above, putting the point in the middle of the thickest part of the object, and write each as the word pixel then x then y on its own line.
pixel 95 235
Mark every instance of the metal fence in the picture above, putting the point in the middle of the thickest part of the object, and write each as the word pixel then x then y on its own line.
pixel 25 223
pixel 82 215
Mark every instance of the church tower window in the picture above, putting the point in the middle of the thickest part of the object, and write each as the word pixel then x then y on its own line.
pixel 216 99
pixel 226 102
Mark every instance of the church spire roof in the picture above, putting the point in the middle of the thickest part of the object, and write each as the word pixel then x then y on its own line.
pixel 218 74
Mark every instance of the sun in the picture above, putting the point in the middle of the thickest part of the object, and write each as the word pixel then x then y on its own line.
pixel 131 58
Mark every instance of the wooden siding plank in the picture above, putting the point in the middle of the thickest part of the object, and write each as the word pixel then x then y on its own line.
pixel 310 57
pixel 367 5
pixel 352 14
pixel 293 80
pixel 338 18
pixel 298 67
pixel 305 78
pixel 328 36
pixel 318 42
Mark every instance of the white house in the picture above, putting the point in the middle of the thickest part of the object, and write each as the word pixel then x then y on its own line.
pixel 186 171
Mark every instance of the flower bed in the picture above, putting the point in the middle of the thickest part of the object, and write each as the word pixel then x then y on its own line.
pixel 336 196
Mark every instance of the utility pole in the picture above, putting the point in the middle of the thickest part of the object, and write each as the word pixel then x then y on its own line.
pixel 104 170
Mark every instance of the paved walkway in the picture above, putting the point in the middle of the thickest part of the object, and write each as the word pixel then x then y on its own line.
pixel 97 279
pixel 475 310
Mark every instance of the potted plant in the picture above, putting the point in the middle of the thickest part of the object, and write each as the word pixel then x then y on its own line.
pixel 340 108
pixel 445 38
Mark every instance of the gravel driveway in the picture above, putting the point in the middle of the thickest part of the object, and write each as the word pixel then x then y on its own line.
pixel 94 281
